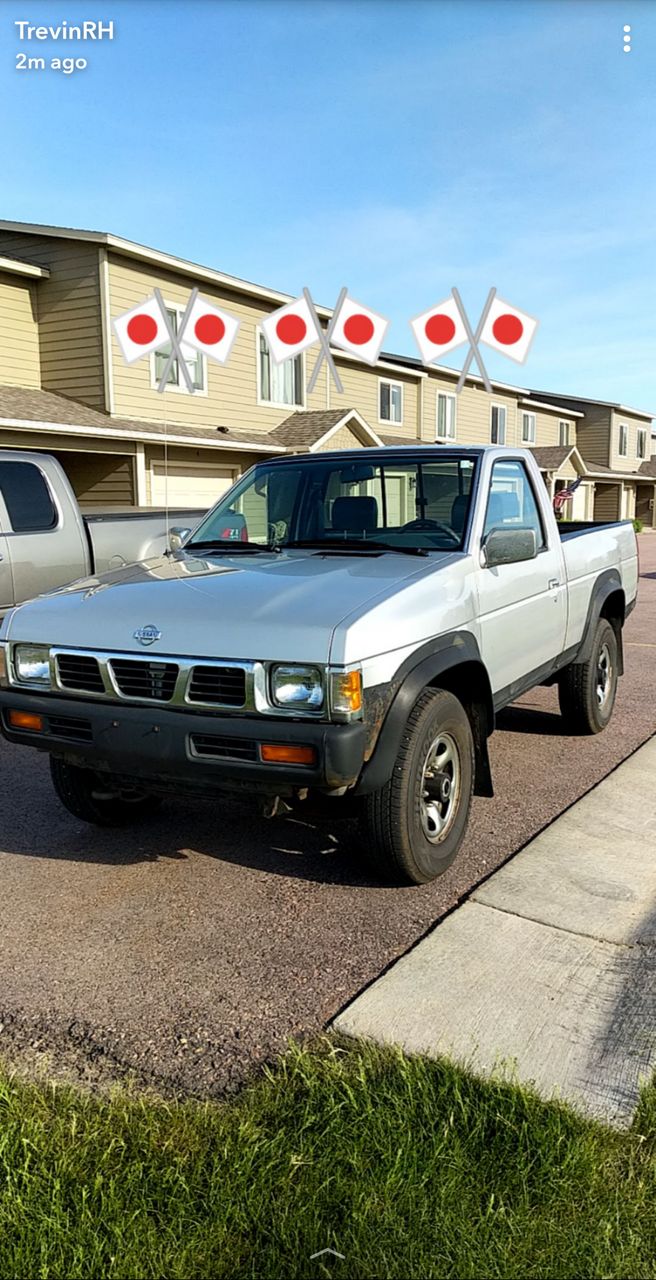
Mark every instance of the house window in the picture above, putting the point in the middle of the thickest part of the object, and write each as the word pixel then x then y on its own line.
pixel 280 383
pixel 563 433
pixel 446 417
pixel 641 445
pixel 498 424
pixel 624 440
pixel 528 428
pixel 194 360
pixel 390 401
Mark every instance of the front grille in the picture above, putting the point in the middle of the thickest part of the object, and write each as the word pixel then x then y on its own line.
pixel 72 729
pixel 143 679
pixel 223 686
pixel 214 747
pixel 76 671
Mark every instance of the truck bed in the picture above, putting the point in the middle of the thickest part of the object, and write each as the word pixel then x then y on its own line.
pixel 122 537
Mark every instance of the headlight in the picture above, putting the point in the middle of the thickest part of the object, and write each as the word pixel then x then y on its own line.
pixel 300 688
pixel 346 695
pixel 32 663
pixel 3 663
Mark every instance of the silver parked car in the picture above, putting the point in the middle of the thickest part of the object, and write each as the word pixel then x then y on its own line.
pixel 348 623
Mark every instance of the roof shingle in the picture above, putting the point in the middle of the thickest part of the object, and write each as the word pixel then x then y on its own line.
pixel 27 404
pixel 303 429
pixel 551 457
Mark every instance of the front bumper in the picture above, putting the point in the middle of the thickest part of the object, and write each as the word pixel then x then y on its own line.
pixel 167 747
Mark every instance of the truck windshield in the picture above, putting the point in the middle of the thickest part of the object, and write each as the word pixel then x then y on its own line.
pixel 400 503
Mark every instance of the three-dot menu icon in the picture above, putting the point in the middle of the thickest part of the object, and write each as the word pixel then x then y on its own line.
pixel 627 39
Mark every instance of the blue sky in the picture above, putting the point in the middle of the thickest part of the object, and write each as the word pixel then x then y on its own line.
pixel 398 148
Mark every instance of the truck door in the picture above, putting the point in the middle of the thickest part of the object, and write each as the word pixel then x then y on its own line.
pixel 6 578
pixel 523 606
pixel 39 544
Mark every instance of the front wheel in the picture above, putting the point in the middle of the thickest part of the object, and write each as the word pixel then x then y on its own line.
pixel 98 799
pixel 586 690
pixel 416 822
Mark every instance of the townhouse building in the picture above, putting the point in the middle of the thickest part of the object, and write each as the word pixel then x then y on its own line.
pixel 65 389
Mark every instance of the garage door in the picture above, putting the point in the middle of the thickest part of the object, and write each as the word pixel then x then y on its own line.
pixel 190 486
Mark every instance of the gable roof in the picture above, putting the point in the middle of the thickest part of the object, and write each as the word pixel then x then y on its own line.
pixel 307 429
pixel 304 429
pixel 551 457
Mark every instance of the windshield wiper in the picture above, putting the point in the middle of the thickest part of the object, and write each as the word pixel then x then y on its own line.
pixel 228 544
pixel 351 544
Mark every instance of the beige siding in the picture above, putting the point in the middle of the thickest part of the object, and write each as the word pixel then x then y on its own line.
pixel 69 314
pixel 342 439
pixel 547 426
pixel 473 407
pixel 231 397
pixel 631 462
pixel 360 391
pixel 19 333
pixel 592 435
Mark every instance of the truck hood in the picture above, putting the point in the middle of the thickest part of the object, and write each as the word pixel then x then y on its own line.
pixel 280 607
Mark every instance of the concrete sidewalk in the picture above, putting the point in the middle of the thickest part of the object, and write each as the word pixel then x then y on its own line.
pixel 548 971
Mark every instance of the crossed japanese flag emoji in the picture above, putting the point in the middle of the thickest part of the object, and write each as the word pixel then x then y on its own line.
pixel 353 327
pixel 446 326
pixel 203 327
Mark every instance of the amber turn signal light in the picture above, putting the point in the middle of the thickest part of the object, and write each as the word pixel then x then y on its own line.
pixel 26 720
pixel 285 753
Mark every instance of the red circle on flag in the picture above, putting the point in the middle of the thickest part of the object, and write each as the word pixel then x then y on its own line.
pixel 142 329
pixel 440 329
pixel 209 329
pixel 358 329
pixel 507 329
pixel 291 329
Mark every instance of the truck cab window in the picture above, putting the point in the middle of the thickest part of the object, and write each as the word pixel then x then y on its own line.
pixel 512 503
pixel 27 497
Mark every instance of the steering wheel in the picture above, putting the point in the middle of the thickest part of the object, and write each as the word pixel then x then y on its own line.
pixel 431 524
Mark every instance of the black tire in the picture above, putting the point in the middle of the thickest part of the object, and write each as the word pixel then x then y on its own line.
pixel 580 685
pixel 397 816
pixel 92 797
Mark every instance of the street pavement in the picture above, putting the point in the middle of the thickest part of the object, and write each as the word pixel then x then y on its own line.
pixel 576 1017
pixel 186 952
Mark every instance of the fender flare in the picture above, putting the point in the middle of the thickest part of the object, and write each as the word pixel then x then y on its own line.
pixel 422 669
pixel 607 584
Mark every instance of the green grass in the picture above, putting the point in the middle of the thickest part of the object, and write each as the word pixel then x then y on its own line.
pixel 408 1168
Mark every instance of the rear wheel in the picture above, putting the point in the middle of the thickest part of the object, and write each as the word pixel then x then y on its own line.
pixel 416 822
pixel 97 798
pixel 586 690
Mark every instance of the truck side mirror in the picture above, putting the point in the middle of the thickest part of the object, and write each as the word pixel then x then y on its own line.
pixel 508 546
pixel 177 537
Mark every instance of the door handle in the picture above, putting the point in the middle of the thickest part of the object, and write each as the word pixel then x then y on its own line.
pixel 553 584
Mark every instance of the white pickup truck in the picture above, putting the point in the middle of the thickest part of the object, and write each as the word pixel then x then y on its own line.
pixel 45 541
pixel 347 623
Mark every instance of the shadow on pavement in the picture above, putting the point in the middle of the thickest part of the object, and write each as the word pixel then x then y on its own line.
pixel 522 719
pixel 312 847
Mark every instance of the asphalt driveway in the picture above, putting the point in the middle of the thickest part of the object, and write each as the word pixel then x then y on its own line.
pixel 186 952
